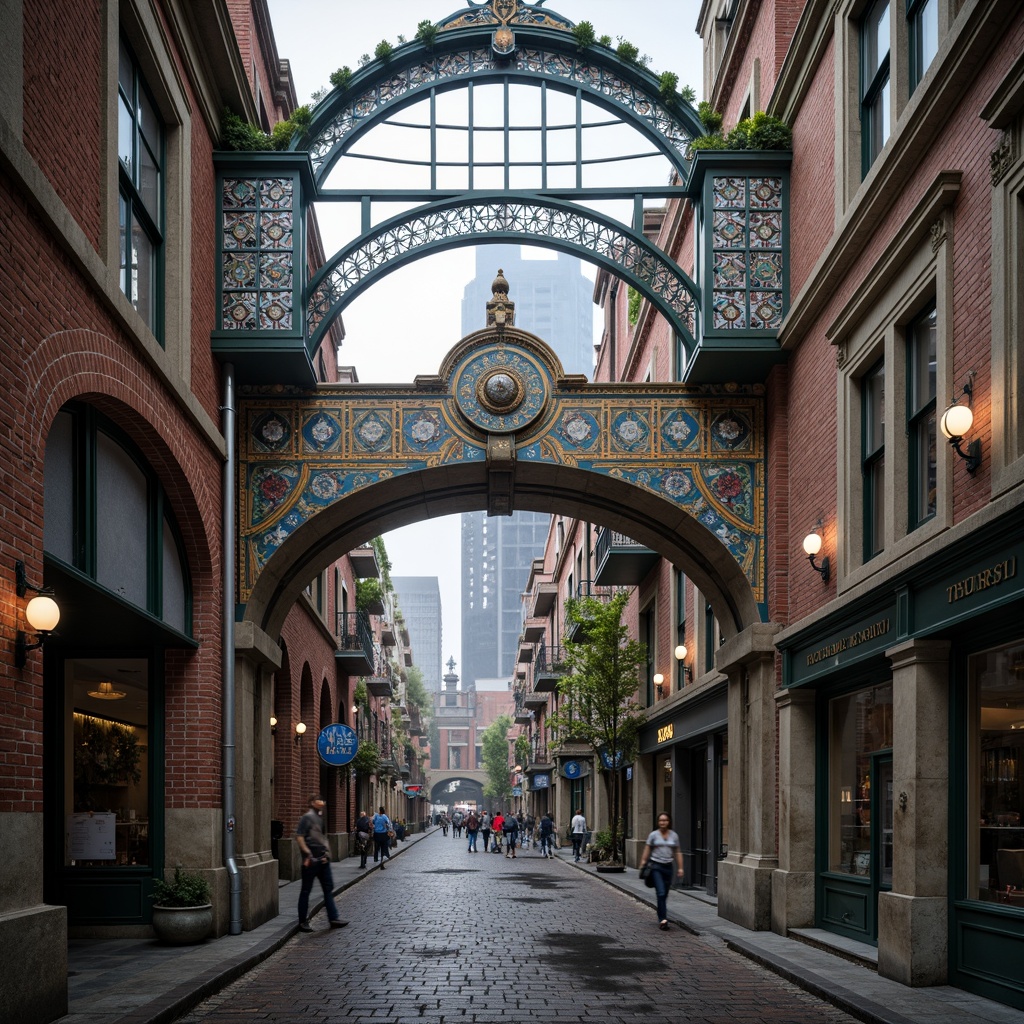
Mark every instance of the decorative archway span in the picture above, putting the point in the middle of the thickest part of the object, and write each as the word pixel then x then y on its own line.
pixel 502 218
pixel 469 48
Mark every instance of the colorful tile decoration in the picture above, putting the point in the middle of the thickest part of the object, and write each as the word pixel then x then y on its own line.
pixel 257 254
pixel 747 270
pixel 700 450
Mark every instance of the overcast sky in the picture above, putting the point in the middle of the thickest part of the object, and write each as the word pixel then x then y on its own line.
pixel 320 36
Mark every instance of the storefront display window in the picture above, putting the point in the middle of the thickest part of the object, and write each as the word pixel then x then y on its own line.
pixel 996 799
pixel 860 744
pixel 106 813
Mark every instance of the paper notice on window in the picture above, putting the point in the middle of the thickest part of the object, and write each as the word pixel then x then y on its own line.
pixel 92 836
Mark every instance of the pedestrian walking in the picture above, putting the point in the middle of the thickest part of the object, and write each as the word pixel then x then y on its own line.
pixel 364 836
pixel 511 830
pixel 498 825
pixel 661 850
pixel 472 827
pixel 383 831
pixel 577 832
pixel 457 819
pixel 485 829
pixel 444 824
pixel 547 829
pixel 316 864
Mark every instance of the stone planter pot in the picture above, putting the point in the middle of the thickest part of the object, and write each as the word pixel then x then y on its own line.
pixel 607 867
pixel 179 926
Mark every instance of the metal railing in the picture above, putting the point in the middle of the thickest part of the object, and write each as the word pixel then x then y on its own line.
pixel 354 634
pixel 549 661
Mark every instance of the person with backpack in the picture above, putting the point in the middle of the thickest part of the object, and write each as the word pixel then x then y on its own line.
pixel 511 830
pixel 547 829
pixel 472 826
pixel 485 829
pixel 457 820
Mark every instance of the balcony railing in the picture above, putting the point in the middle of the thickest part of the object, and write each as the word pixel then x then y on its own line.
pixel 621 560
pixel 355 652
pixel 548 669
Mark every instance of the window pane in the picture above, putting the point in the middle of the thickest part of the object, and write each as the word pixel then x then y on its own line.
pixel 149 183
pixel 121 522
pixel 143 260
pixel 58 490
pixel 149 123
pixel 125 275
pixel 125 71
pixel 876 38
pixel 995 819
pixel 174 582
pixel 125 135
pixel 874 411
pixel 924 39
pixel 922 366
pixel 877 510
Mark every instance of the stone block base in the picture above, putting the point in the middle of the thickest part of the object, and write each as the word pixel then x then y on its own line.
pixel 260 890
pixel 745 893
pixel 913 946
pixel 792 900
pixel 34 981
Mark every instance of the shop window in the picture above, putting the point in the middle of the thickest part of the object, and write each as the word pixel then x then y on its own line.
pixel 875 114
pixel 995 816
pixel 106 724
pixel 140 150
pixel 922 37
pixel 860 769
pixel 921 417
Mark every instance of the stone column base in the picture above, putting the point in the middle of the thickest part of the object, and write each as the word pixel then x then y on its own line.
pixel 913 946
pixel 260 889
pixel 34 981
pixel 792 900
pixel 745 892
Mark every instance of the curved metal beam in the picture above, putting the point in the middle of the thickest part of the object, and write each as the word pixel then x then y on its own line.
pixel 628 90
pixel 509 216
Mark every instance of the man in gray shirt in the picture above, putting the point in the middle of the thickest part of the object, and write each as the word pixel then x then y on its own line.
pixel 316 863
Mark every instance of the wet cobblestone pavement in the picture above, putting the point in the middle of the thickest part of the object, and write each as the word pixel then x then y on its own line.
pixel 444 935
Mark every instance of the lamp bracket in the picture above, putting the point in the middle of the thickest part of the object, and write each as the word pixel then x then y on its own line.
pixel 972 456
pixel 22 585
pixel 824 568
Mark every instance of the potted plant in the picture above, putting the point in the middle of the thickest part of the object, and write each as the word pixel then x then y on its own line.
pixel 182 912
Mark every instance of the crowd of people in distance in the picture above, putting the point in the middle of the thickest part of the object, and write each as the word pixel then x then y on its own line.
pixel 499 832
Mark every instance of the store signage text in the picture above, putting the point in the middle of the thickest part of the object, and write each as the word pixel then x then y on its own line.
pixel 991 577
pixel 666 732
pixel 846 643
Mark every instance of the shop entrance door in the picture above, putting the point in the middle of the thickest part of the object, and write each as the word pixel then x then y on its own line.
pixel 698 870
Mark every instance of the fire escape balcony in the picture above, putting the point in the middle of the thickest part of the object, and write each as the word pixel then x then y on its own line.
pixel 533 631
pixel 534 701
pixel 355 654
pixel 621 561
pixel 387 633
pixel 542 600
pixel 548 669
pixel 522 714
pixel 364 562
pixel 540 760
pixel 381 683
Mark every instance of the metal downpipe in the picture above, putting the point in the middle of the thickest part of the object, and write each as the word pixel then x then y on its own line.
pixel 228 649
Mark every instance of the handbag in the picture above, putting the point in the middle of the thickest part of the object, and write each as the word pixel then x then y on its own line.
pixel 647 875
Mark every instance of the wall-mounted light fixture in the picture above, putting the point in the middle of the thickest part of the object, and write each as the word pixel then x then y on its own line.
pixel 683 667
pixel 956 421
pixel 41 613
pixel 300 728
pixel 659 684
pixel 812 545
pixel 273 724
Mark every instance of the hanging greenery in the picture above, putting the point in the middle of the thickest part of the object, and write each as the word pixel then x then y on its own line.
pixel 367 759
pixel 106 753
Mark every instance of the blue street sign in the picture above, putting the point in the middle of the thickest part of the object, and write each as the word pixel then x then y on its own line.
pixel 337 744
pixel 572 769
pixel 606 758
pixel 542 780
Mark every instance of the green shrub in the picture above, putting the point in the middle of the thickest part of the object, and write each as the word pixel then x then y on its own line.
pixel 383 51
pixel 764 131
pixel 367 759
pixel 667 87
pixel 604 40
pixel 584 35
pixel 341 77
pixel 426 33
pixel 238 134
pixel 633 306
pixel 709 117
pixel 186 890
pixel 627 51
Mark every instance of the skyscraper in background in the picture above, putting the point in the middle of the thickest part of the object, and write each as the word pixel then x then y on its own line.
pixel 554 301
pixel 419 598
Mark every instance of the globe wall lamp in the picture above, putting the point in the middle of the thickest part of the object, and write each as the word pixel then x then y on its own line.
pixel 41 613
pixel 683 667
pixel 659 684
pixel 273 724
pixel 300 729
pixel 812 545
pixel 956 421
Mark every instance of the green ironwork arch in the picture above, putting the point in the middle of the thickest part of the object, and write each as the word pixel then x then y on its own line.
pixel 506 217
pixel 542 55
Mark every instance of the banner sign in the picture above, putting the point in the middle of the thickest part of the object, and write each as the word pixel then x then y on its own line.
pixel 337 744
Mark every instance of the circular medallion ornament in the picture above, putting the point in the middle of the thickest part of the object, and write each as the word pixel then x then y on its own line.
pixel 501 388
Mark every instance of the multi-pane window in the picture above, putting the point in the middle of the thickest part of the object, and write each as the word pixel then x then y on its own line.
pixel 923 36
pixel 140 150
pixel 873 460
pixel 874 81
pixel 921 417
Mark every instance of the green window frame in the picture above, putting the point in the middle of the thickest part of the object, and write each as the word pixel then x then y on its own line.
pixel 922 37
pixel 921 413
pixel 140 152
pixel 873 459
pixel 875 118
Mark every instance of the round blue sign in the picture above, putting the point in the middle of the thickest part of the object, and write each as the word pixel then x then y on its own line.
pixel 572 769
pixel 337 744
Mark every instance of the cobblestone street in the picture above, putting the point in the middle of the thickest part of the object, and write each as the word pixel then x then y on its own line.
pixel 444 935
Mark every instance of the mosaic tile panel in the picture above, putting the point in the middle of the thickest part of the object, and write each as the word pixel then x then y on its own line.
pixel 747 261
pixel 257 254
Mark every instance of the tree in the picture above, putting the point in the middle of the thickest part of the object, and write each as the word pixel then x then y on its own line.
pixel 598 692
pixel 495 757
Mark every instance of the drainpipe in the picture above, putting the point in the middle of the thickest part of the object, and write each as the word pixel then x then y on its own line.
pixel 228 649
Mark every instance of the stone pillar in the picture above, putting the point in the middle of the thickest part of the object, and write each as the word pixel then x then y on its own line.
pixel 793 881
pixel 913 917
pixel 643 808
pixel 745 876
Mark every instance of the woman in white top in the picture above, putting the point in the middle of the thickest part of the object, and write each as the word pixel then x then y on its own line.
pixel 661 850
